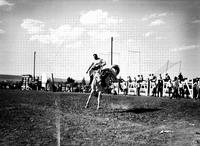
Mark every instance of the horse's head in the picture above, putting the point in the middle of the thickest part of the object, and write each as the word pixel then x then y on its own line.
pixel 116 69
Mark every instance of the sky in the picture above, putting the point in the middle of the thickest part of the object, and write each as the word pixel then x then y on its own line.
pixel 149 36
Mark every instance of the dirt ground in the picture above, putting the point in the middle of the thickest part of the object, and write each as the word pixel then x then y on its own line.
pixel 47 118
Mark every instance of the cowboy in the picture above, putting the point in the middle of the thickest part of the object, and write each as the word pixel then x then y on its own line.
pixel 95 67
pixel 96 85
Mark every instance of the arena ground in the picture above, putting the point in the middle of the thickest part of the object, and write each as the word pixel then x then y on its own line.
pixel 47 118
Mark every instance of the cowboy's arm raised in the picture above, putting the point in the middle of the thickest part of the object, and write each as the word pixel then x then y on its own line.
pixel 103 62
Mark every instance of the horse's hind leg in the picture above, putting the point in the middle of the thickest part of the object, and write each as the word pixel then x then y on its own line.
pixel 98 99
pixel 92 92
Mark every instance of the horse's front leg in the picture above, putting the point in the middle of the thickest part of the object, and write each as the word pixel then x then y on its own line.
pixel 98 99
pixel 92 92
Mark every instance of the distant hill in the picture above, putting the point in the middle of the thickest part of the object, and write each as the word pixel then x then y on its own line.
pixel 65 80
pixel 59 80
pixel 15 78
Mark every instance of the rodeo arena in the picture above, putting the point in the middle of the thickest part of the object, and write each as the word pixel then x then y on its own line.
pixel 158 109
pixel 157 84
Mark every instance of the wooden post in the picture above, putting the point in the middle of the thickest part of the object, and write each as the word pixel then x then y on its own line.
pixel 34 67
pixel 167 66
pixel 52 82
pixel 111 50
pixel 180 67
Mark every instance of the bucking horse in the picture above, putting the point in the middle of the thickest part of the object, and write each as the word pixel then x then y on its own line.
pixel 102 79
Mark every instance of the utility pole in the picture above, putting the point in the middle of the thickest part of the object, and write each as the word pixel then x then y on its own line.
pixel 34 66
pixel 139 61
pixel 111 50
pixel 53 87
pixel 167 66
pixel 180 66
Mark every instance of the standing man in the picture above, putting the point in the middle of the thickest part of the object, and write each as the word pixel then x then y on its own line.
pixel 167 77
pixel 169 86
pixel 181 90
pixel 175 88
pixel 138 85
pixel 160 88
pixel 96 66
pixel 198 89
pixel 180 76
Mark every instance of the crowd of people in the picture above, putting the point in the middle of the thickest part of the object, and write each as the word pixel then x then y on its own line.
pixel 176 87
pixel 10 85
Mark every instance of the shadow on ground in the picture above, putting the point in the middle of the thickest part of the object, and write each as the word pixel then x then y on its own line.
pixel 138 110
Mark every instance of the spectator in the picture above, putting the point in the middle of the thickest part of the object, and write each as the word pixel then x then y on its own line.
pixel 123 85
pixel 169 86
pixel 129 79
pixel 198 89
pixel 141 78
pixel 181 90
pixel 120 80
pixel 150 77
pixel 160 86
pixel 180 76
pixel 138 78
pixel 59 87
pixel 160 77
pixel 175 88
pixel 167 77
pixel 186 90
pixel 138 85
pixel 135 79
pixel 195 90
pixel 154 86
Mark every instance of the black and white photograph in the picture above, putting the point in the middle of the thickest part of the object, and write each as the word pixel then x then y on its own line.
pixel 100 72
